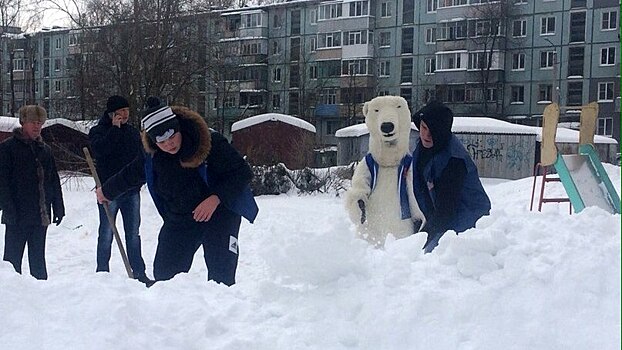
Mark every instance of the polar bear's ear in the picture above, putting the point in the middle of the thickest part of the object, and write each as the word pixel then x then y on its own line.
pixel 365 108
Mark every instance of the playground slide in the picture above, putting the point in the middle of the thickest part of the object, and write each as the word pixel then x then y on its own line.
pixel 585 180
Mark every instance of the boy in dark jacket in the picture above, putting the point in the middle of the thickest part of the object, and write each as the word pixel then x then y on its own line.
pixel 445 180
pixel 115 143
pixel 200 186
pixel 29 189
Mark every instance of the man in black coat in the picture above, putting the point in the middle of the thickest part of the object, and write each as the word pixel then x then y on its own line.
pixel 115 143
pixel 30 192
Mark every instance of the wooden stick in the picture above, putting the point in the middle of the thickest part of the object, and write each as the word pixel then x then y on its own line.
pixel 111 220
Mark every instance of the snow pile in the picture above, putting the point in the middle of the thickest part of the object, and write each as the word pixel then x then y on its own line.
pixel 519 280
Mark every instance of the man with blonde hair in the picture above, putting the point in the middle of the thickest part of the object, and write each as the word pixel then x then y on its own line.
pixel 30 192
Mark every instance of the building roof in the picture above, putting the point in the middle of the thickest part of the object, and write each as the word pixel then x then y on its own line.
pixel 481 125
pixel 245 123
pixel 359 130
pixel 7 124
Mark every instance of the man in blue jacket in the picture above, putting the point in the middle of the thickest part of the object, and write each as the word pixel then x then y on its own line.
pixel 115 143
pixel 445 180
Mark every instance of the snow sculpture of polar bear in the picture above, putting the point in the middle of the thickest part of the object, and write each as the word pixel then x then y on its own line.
pixel 381 200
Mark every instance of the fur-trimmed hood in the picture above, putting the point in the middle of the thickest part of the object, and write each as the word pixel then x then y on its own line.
pixel 196 140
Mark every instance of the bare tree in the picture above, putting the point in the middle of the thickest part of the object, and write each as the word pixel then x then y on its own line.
pixel 486 30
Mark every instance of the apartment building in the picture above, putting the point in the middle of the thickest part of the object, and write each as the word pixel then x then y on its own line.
pixel 320 60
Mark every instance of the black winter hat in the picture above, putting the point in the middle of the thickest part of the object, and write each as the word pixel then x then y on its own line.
pixel 116 102
pixel 158 120
pixel 439 119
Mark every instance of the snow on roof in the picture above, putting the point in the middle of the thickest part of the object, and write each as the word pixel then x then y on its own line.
pixel 483 125
pixel 245 123
pixel 7 124
pixel 67 123
pixel 358 130
pixel 489 126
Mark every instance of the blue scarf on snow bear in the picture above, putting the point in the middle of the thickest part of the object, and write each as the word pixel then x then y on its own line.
pixel 372 165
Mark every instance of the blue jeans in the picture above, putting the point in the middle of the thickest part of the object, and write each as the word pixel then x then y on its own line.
pixel 129 205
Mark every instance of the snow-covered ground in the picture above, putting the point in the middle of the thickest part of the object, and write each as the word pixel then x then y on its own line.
pixel 520 280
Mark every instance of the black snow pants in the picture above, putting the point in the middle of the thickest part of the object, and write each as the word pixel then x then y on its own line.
pixel 16 238
pixel 179 240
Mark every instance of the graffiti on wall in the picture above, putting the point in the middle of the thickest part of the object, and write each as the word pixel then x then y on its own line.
pixel 501 155
pixel 491 149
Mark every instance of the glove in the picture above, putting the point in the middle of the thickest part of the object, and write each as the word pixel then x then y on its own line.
pixel 57 220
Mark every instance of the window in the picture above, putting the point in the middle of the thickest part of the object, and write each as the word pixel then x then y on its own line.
pixel 605 126
pixel 328 40
pixel 518 61
pixel 329 11
pixel 313 16
pixel 518 94
pixel 313 43
pixel 477 60
pixel 385 39
pixel 57 85
pixel 605 92
pixel 575 94
pixel 251 49
pixel 355 37
pixel 519 2
pixel 58 43
pixel 332 126
pixel 354 67
pixel 492 94
pixel 329 96
pixel 453 30
pixel 276 75
pixel 228 102
pixel 57 64
pixel 18 64
pixel 313 73
pixel 547 59
pixel 295 23
pixel 449 61
pixel 432 5
pixel 609 21
pixel 276 101
pixel 294 75
pixel 575 61
pixel 451 3
pixel 276 21
pixel 608 56
pixel 577 3
pixel 430 35
pixel 359 8
pixel 545 92
pixel 384 70
pixel 294 49
pixel 577 27
pixel 46 67
pixel 408 35
pixel 406 71
pixel 547 26
pixel 251 20
pixel 519 28
pixel 385 9
pixel 73 40
pixel 276 48
pixel 430 65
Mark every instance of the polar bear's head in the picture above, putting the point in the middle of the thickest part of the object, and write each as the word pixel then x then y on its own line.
pixel 388 121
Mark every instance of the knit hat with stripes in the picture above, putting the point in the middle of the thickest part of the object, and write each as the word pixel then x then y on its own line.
pixel 158 120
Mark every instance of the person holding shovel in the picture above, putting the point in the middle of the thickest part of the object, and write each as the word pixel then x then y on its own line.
pixel 200 186
pixel 115 143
